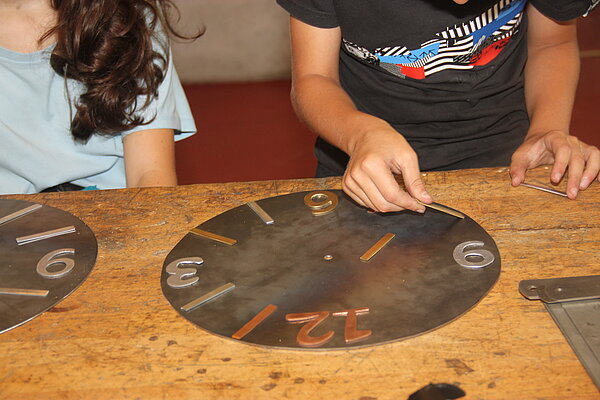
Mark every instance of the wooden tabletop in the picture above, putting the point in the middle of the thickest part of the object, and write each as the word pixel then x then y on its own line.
pixel 117 337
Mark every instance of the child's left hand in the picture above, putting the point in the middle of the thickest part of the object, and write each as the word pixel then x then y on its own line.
pixel 564 152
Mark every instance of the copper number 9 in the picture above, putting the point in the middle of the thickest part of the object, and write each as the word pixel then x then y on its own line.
pixel 321 202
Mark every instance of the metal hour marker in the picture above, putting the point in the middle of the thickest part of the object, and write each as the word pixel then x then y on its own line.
pixel 260 212
pixel 24 292
pixel 544 189
pixel 19 213
pixel 45 235
pixel 208 297
pixel 377 247
pixel 442 209
pixel 254 322
pixel 213 236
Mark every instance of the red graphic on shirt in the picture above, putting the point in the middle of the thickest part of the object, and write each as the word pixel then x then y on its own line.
pixel 489 53
pixel 412 72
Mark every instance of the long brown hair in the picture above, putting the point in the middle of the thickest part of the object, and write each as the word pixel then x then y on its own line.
pixel 112 47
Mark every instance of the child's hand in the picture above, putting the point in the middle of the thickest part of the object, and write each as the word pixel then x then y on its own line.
pixel 563 151
pixel 369 178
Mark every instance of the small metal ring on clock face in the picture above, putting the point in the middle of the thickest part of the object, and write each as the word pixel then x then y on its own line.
pixel 347 278
pixel 45 254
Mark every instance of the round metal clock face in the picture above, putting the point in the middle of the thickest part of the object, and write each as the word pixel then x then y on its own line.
pixel 314 270
pixel 45 254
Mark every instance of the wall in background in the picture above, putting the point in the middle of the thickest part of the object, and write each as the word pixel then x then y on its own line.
pixel 246 132
pixel 245 40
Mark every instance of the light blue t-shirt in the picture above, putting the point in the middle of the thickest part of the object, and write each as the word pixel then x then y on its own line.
pixel 37 149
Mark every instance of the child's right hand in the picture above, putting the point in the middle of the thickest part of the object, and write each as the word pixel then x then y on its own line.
pixel 374 158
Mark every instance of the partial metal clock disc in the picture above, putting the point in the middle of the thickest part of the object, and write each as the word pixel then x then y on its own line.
pixel 314 270
pixel 45 254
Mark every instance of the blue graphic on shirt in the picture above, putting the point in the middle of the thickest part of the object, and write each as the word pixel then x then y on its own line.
pixel 504 17
pixel 463 46
pixel 414 56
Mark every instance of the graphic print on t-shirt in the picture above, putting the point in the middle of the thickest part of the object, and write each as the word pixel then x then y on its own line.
pixel 472 43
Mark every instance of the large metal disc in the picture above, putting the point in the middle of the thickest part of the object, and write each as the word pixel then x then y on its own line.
pixel 304 263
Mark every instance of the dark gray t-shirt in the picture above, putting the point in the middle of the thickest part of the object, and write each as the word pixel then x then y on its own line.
pixel 448 77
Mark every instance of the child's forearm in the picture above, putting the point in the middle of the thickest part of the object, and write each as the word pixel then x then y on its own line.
pixel 150 158
pixel 551 73
pixel 326 108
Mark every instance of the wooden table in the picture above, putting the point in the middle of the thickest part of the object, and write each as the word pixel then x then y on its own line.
pixel 118 337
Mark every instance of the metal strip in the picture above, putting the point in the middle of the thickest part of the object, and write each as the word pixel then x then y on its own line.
pixel 260 212
pixel 208 297
pixel 443 209
pixel 20 213
pixel 213 236
pixel 377 247
pixel 255 321
pixel 45 235
pixel 24 292
pixel 544 189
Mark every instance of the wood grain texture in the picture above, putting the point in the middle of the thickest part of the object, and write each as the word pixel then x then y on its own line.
pixel 117 337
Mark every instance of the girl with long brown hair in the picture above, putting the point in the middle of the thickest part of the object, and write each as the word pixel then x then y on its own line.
pixel 88 95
